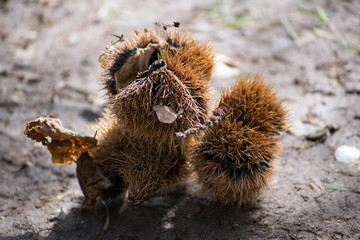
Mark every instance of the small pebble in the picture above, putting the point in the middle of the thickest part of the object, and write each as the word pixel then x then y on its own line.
pixel 74 39
pixel 168 225
pixel 347 154
pixel 58 215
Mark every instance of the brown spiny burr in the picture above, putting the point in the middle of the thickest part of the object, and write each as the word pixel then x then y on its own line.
pixel 146 79
pixel 235 159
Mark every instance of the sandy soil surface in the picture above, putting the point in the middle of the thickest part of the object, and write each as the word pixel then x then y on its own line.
pixel 308 50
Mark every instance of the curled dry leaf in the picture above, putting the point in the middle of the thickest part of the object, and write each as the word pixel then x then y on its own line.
pixel 65 145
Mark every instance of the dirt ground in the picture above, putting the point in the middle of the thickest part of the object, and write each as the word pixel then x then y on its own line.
pixel 308 50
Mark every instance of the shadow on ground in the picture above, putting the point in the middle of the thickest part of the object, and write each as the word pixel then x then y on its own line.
pixel 162 217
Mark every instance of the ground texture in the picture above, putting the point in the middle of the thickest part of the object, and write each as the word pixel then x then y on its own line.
pixel 308 50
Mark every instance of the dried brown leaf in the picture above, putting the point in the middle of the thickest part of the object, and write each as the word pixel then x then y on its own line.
pixel 65 145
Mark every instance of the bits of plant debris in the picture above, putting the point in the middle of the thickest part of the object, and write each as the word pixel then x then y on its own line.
pixel 65 145
pixel 120 38
pixel 218 115
pixel 165 26
pixel 165 114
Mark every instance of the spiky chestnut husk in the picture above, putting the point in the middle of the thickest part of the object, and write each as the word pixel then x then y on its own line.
pixel 93 183
pixel 115 56
pixel 188 58
pixel 189 65
pixel 142 163
pixel 133 145
pixel 235 159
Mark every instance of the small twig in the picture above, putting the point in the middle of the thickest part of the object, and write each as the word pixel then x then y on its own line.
pixel 125 204
pixel 165 26
pixel 120 38
pixel 211 235
pixel 218 114
pixel 107 221
pixel 123 208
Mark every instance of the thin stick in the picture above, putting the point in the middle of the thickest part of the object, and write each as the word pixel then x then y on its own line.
pixel 107 221
pixel 166 26
pixel 211 235
pixel 218 114
pixel 120 38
